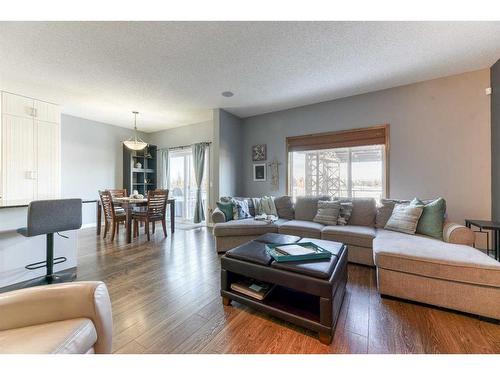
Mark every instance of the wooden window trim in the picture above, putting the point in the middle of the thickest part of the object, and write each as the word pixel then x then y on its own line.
pixel 373 135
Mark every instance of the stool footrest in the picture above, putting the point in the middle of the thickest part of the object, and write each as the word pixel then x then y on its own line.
pixel 42 264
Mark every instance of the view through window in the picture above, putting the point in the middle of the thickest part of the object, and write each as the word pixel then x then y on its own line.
pixel 338 172
pixel 183 184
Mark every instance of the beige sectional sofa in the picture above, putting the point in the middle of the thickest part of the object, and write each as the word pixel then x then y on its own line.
pixel 448 273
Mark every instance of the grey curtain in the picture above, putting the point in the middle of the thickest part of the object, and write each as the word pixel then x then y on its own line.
pixel 163 169
pixel 199 170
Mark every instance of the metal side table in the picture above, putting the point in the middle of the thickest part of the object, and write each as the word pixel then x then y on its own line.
pixel 486 225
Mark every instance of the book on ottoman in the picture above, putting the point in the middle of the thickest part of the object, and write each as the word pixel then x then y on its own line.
pixel 252 288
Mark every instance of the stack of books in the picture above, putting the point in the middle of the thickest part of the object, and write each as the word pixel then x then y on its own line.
pixel 252 288
pixel 294 250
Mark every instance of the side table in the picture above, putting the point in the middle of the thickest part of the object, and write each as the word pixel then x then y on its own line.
pixel 487 225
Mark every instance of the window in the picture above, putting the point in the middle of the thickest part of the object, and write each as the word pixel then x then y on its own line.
pixel 183 183
pixel 319 165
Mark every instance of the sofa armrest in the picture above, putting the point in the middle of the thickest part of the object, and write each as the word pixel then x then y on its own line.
pixel 458 234
pixel 218 216
pixel 57 302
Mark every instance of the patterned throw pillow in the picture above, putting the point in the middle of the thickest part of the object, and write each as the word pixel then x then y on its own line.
pixel 227 209
pixel 328 212
pixel 404 218
pixel 384 211
pixel 264 205
pixel 240 209
pixel 344 213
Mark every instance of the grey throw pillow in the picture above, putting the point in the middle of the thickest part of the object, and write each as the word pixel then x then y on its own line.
pixel 404 218
pixel 284 207
pixel 328 212
pixel 344 213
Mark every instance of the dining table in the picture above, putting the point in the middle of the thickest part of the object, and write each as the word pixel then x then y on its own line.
pixel 128 204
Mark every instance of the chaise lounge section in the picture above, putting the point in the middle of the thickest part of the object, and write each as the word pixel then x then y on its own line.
pixel 448 273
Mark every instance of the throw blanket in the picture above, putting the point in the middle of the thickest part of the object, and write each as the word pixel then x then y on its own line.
pixel 264 205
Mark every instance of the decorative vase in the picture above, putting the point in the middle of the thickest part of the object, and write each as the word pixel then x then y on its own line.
pixel 138 165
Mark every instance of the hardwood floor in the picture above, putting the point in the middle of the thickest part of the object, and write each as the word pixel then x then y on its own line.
pixel 165 297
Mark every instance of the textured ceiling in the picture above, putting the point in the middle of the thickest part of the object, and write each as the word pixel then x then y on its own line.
pixel 174 72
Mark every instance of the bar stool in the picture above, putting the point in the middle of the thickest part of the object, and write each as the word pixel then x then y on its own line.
pixel 49 217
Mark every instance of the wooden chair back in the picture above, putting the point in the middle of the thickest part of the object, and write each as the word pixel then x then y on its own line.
pixel 157 202
pixel 118 193
pixel 107 204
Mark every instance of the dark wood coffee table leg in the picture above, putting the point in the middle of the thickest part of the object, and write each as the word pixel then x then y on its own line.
pixel 325 338
pixel 226 301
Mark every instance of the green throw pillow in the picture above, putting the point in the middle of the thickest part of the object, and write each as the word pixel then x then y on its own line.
pixel 227 209
pixel 432 220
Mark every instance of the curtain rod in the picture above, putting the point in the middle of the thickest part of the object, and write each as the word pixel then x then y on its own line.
pixel 181 147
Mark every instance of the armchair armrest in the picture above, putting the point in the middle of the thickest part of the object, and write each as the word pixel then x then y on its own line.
pixel 50 303
pixel 218 216
pixel 458 234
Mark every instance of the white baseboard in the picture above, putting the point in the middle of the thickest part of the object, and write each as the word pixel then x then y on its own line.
pixel 89 225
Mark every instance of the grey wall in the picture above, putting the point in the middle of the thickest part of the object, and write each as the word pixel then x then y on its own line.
pixel 230 155
pixel 91 159
pixel 184 135
pixel 495 141
pixel 439 138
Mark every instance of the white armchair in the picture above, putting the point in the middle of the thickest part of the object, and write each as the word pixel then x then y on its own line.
pixel 60 318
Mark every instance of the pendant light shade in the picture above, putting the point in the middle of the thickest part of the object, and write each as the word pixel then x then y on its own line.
pixel 135 143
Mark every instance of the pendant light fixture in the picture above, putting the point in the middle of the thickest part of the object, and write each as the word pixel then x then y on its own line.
pixel 135 143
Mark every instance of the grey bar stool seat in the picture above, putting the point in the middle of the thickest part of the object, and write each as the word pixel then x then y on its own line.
pixel 48 217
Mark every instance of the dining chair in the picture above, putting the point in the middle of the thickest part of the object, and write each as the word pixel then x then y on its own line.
pixel 118 193
pixel 155 211
pixel 111 217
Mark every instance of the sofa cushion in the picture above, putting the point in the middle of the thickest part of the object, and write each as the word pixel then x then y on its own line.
pixel 284 207
pixel 306 207
pixel 364 211
pixel 73 336
pixel 246 227
pixel 350 234
pixel 301 228
pixel 429 257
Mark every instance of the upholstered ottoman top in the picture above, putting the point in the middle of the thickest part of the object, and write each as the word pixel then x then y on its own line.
pixel 255 252
pixel 277 238
pixel 321 269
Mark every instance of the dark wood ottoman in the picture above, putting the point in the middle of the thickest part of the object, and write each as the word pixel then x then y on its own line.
pixel 308 294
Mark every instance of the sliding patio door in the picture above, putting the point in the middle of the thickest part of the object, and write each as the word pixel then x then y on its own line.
pixel 183 184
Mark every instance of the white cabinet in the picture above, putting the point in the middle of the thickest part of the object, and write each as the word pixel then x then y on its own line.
pixel 30 149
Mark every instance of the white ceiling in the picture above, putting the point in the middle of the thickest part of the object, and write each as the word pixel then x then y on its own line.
pixel 174 72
